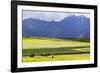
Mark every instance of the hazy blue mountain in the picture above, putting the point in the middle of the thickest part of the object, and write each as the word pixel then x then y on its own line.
pixel 69 27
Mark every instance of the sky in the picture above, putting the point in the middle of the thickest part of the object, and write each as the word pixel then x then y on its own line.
pixel 50 16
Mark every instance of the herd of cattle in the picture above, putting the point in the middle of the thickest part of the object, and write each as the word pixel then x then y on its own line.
pixel 43 55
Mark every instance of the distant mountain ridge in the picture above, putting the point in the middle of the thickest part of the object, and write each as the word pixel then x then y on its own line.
pixel 69 27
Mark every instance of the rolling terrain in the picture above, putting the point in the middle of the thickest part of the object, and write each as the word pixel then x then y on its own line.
pixel 51 49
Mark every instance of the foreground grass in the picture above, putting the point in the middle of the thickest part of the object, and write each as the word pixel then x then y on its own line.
pixel 61 49
pixel 57 58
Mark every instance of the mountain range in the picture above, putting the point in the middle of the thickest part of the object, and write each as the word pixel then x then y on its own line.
pixel 70 27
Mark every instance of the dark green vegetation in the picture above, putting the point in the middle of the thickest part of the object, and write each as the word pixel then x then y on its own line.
pixel 56 51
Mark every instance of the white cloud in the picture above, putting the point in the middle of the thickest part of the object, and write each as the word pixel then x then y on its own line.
pixel 49 16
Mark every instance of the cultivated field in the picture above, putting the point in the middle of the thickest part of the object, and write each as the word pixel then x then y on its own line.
pixel 55 49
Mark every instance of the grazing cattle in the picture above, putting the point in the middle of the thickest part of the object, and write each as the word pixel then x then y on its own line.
pixel 52 57
pixel 45 55
pixel 32 55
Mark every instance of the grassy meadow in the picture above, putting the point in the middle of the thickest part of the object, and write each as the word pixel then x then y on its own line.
pixel 55 49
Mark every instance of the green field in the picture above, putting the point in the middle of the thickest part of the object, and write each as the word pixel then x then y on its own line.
pixel 55 49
